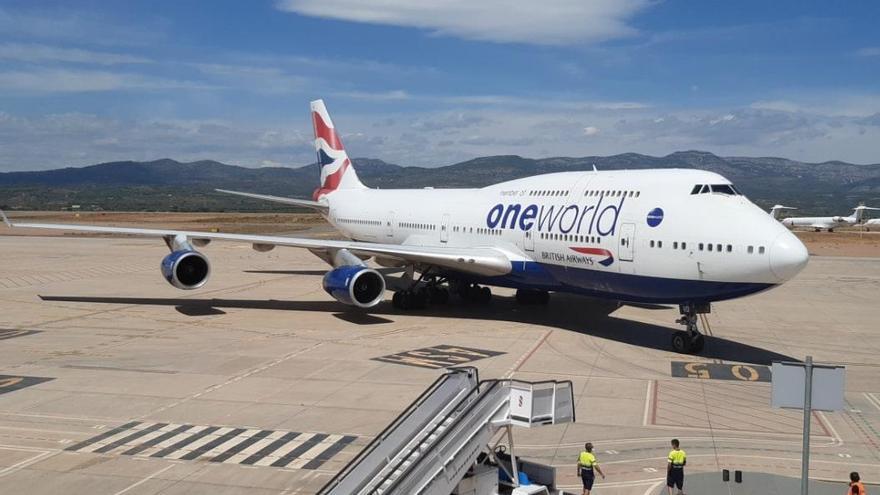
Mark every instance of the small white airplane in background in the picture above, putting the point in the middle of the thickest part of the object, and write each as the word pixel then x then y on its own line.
pixel 663 236
pixel 777 210
pixel 873 224
pixel 828 223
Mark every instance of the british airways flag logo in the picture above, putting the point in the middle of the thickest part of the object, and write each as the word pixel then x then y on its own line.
pixel 608 258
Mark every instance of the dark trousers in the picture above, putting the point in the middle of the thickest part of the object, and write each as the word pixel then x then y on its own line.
pixel 675 477
pixel 588 478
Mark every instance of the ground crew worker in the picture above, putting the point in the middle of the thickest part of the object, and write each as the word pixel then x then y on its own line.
pixel 855 485
pixel 587 463
pixel 675 468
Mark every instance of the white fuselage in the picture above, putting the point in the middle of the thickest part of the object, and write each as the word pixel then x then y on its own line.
pixel 638 235
pixel 819 223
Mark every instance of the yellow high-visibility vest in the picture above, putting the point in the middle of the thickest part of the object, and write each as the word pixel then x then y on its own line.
pixel 677 458
pixel 587 460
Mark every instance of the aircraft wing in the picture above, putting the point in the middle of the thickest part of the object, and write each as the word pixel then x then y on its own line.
pixel 486 261
pixel 321 207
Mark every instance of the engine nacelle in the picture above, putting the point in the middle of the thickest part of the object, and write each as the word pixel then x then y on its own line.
pixel 186 269
pixel 355 285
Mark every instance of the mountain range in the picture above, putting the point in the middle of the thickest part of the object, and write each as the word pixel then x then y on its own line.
pixel 168 185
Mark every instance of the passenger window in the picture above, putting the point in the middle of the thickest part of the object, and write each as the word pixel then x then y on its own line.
pixel 684 245
pixel 729 248
pixel 710 247
pixel 761 250
pixel 701 246
pixel 659 244
pixel 718 248
pixel 751 249
pixel 675 245
pixel 652 243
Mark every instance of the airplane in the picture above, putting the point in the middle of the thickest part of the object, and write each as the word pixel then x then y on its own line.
pixel 777 210
pixel 653 236
pixel 828 223
pixel 873 224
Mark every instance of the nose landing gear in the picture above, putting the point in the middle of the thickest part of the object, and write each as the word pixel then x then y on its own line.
pixel 689 341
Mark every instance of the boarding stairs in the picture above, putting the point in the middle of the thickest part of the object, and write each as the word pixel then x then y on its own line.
pixel 439 439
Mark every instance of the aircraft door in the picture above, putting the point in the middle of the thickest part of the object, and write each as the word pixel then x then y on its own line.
pixel 626 240
pixel 528 241
pixel 389 225
pixel 444 228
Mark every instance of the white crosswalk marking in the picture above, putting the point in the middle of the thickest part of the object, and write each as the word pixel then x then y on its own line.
pixel 314 451
pixel 107 441
pixel 199 443
pixel 171 441
pixel 253 449
pixel 225 444
pixel 232 442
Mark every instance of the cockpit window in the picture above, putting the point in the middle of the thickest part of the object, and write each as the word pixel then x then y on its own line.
pixel 723 189
pixel 716 188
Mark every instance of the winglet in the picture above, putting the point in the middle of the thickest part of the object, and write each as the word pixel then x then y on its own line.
pixel 6 219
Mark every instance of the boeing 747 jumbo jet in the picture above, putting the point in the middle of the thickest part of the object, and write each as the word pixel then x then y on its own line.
pixel 683 237
pixel 828 223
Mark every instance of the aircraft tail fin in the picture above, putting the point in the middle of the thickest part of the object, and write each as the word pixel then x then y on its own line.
pixel 859 212
pixel 777 209
pixel 337 171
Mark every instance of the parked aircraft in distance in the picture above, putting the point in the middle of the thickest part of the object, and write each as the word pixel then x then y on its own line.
pixel 873 224
pixel 666 236
pixel 828 223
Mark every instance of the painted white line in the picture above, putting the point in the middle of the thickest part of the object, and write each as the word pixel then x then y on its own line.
pixel 141 482
pixel 232 380
pixel 873 400
pixel 653 487
pixel 25 463
pixel 526 355
pixel 836 436
pixel 649 394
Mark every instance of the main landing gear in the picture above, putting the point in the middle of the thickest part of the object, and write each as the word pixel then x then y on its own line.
pixel 689 341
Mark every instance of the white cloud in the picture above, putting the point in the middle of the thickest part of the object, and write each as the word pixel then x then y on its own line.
pixel 591 130
pixel 391 95
pixel 62 23
pixel 28 52
pixel 869 51
pixel 552 22
pixel 79 81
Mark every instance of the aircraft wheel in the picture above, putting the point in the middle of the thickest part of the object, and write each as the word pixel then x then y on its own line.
pixel 438 295
pixel 680 342
pixel 485 295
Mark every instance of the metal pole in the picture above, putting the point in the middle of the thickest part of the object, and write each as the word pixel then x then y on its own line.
pixel 808 408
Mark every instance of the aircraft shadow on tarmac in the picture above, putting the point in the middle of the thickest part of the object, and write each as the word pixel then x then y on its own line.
pixel 572 313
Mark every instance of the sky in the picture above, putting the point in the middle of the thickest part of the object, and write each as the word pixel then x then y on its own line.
pixel 435 82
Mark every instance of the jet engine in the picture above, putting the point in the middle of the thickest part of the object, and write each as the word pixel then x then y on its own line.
pixel 186 269
pixel 355 285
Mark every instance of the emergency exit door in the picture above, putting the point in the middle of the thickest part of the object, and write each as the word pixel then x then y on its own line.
pixel 444 229
pixel 627 239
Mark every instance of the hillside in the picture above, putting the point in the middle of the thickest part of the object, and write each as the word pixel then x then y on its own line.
pixel 168 185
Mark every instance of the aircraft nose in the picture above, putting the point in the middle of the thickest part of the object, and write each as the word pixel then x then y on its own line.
pixel 788 256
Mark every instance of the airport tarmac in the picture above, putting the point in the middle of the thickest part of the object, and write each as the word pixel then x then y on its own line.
pixel 117 383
